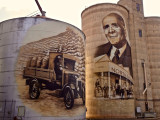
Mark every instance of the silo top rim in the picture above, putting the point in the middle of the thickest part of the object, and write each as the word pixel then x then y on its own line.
pixel 100 4
pixel 43 18
pixel 25 18
pixel 153 17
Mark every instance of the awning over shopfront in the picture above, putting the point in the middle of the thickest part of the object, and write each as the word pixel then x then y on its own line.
pixel 104 64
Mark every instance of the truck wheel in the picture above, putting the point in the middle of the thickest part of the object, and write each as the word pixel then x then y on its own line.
pixel 68 98
pixel 34 90
pixel 83 95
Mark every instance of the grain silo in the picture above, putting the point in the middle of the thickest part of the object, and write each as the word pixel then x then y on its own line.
pixel 103 77
pixel 153 32
pixel 42 69
pixel 122 60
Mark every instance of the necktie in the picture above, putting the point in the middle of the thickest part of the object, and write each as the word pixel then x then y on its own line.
pixel 116 57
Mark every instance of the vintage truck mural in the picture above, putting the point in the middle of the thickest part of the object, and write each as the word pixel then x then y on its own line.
pixel 54 71
pixel 50 70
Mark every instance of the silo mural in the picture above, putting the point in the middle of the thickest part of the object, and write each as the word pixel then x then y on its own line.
pixel 49 71
pixel 113 62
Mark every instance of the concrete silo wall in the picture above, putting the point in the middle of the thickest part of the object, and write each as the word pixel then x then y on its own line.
pixel 140 60
pixel 100 104
pixel 23 38
pixel 153 44
pixel 12 33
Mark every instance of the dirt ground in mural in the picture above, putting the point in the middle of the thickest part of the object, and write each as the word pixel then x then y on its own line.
pixel 48 104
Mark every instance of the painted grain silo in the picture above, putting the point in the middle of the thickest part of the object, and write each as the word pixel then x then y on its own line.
pixel 104 77
pixel 122 61
pixel 153 32
pixel 42 69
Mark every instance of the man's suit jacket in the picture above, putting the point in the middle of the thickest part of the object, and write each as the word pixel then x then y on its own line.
pixel 125 59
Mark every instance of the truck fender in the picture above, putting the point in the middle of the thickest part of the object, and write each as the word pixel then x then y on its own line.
pixel 71 86
pixel 34 80
pixel 29 80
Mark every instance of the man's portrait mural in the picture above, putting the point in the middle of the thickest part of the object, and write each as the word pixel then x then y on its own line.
pixel 113 62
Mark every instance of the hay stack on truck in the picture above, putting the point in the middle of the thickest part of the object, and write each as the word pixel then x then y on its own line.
pixel 56 72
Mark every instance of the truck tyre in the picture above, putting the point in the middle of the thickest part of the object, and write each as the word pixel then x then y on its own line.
pixel 68 98
pixel 34 90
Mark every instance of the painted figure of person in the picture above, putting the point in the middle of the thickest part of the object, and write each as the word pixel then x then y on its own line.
pixel 97 85
pixel 106 90
pixel 114 91
pixel 118 89
pixel 118 48
pixel 122 91
pixel 58 67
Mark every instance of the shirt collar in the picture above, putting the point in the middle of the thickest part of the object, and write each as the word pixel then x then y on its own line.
pixel 121 50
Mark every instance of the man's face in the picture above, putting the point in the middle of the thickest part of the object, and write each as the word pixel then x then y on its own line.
pixel 112 29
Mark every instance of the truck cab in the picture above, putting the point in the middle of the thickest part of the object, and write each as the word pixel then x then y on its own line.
pixel 57 72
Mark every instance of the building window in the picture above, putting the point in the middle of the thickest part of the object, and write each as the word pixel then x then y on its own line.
pixel 140 33
pixel 138 6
